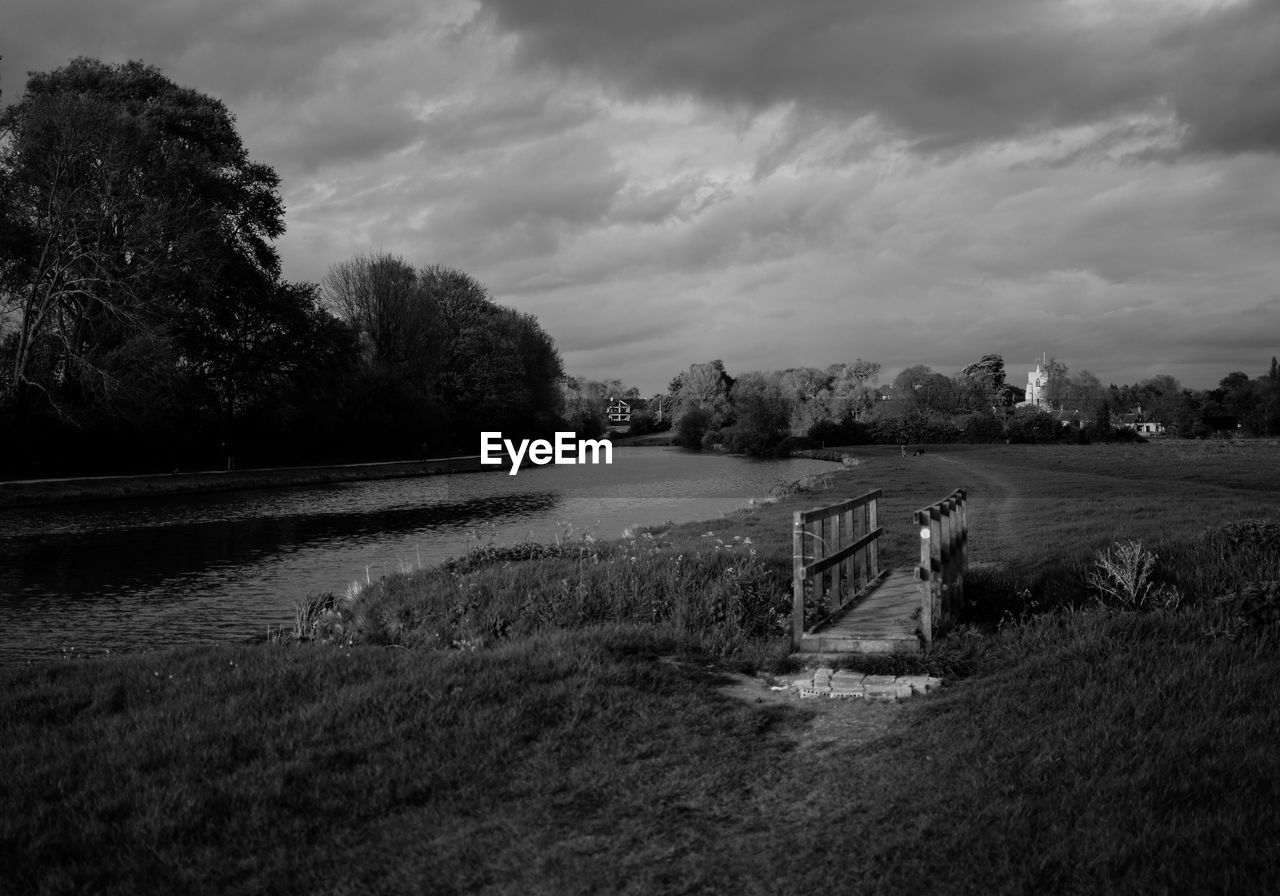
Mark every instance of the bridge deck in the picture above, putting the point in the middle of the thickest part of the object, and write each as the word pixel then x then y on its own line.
pixel 887 620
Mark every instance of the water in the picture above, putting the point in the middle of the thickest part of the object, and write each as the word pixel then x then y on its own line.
pixel 156 572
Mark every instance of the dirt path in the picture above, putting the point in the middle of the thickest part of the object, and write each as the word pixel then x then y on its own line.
pixel 997 510
pixel 833 723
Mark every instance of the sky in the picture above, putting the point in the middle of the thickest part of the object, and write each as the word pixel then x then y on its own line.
pixel 666 182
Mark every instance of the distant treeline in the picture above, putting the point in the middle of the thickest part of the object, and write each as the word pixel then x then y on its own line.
pixel 145 324
pixel 774 412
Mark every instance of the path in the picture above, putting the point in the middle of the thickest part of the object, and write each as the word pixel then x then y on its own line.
pixel 996 508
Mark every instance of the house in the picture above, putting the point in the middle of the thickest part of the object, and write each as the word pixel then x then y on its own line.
pixel 1139 424
pixel 620 410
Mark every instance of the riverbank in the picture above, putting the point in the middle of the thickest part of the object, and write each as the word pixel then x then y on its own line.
pixel 33 492
pixel 1096 750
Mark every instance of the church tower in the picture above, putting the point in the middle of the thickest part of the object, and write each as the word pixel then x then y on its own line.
pixel 1037 383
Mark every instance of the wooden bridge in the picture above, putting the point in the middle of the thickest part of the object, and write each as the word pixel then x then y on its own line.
pixel 845 603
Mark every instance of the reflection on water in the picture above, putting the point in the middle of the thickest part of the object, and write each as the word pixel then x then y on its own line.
pixel 160 571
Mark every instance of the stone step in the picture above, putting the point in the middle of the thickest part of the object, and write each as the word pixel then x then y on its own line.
pixel 822 682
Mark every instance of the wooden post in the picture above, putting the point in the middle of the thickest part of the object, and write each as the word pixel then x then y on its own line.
pixel 948 554
pixel 797 581
pixel 936 580
pixel 925 575
pixel 964 548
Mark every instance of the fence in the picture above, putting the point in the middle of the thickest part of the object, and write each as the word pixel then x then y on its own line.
pixel 834 557
pixel 944 538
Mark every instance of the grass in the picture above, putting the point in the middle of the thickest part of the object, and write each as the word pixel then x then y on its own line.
pixel 1086 749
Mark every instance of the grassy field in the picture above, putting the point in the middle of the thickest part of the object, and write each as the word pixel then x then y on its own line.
pixel 553 720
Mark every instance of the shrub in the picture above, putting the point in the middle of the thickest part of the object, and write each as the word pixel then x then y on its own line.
pixel 1121 575
pixel 1031 425
pixel 692 427
pixel 844 432
pixel 1255 605
pixel 979 427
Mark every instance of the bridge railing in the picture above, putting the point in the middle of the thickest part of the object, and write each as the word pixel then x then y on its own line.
pixel 834 557
pixel 944 539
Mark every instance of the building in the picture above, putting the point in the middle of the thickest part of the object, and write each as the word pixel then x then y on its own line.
pixel 1037 388
pixel 620 410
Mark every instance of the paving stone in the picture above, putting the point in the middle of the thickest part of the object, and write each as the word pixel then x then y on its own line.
pixel 846 684
pixel 846 676
pixel 880 687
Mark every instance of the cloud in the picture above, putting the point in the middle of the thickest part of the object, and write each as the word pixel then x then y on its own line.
pixel 1228 78
pixel 942 74
pixel 772 184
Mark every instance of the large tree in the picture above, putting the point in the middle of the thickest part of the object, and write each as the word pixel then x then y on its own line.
pixel 126 197
pixel 137 268
pixel 396 316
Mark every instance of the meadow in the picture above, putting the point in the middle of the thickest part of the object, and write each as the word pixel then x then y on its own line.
pixel 552 719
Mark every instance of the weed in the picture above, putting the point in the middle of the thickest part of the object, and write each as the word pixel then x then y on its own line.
pixel 1121 576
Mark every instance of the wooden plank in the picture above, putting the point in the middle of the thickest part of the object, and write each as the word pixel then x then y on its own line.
pixel 833 509
pixel 858 563
pixel 873 525
pixel 816 567
pixel 842 567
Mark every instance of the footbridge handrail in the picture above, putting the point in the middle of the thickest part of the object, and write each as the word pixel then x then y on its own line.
pixel 944 539
pixel 835 557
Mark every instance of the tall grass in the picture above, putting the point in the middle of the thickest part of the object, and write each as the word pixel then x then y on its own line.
pixel 723 593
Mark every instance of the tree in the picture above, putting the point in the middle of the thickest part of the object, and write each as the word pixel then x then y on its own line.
pixel 585 404
pixel 705 388
pixel 806 391
pixel 398 318
pixel 762 414
pixel 852 395
pixel 982 382
pixel 1057 383
pixel 500 369
pixel 123 192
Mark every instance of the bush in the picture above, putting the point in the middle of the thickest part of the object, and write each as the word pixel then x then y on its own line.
pixel 979 428
pixel 1032 426
pixel 844 432
pixel 692 427
pixel 643 423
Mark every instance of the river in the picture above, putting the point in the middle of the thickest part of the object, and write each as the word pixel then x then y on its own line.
pixel 133 574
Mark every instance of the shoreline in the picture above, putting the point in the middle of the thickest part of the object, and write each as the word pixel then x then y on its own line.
pixel 41 492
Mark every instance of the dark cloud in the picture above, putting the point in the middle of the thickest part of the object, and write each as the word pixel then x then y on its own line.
pixel 943 73
pixel 1228 78
pixel 234 49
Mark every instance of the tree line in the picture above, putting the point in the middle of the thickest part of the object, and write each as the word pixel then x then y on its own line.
pixel 776 412
pixel 145 322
